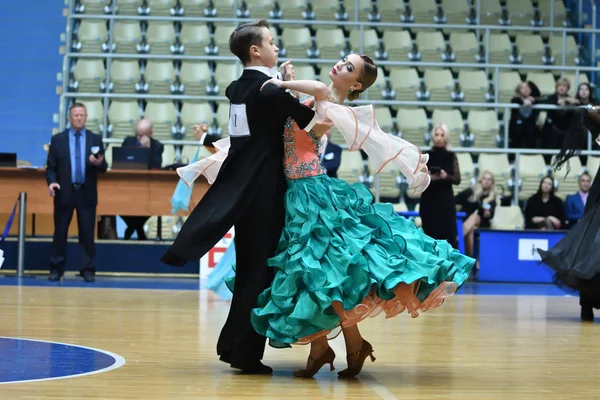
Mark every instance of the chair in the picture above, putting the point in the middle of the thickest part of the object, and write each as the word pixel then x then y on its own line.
pixel 124 74
pixel 164 118
pixel 160 76
pixel 160 36
pixel 89 74
pixel 123 115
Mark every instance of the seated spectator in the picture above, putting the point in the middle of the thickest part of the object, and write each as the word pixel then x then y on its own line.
pixel 585 95
pixel 143 138
pixel 523 131
pixel 575 203
pixel 479 203
pixel 544 210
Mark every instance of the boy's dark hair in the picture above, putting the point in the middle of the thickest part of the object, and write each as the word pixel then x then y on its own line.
pixel 246 36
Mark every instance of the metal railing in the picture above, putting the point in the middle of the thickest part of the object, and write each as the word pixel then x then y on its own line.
pixel 361 25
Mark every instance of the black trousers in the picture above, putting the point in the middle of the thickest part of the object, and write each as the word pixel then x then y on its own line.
pixel 257 234
pixel 86 223
pixel 135 224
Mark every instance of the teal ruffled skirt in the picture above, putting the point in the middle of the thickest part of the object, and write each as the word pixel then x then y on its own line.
pixel 342 258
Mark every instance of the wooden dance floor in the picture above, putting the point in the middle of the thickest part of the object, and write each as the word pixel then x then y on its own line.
pixel 474 347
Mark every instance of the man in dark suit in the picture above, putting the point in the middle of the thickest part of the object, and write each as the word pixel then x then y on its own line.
pixel 331 157
pixel 575 203
pixel 248 192
pixel 143 138
pixel 74 161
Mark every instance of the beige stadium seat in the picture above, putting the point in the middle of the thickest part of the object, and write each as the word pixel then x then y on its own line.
pixel 383 116
pixel 163 116
pixel 491 12
pixel 405 82
pixel 330 42
pixel 195 77
pixel 159 75
pixel 575 81
pixel 126 36
pixel 398 44
pixel 195 114
pixel 507 83
pixel 500 48
pixel 532 169
pixel 531 48
pixel 423 11
pixel 122 116
pixel 464 46
pixel 225 74
pixel 161 7
pixel 389 179
pixel 520 12
pixel 375 91
pixel 304 72
pixel 453 120
pixel 390 10
pixel 572 51
pixel 456 11
pixel 94 6
pixel 160 36
pixel 351 166
pixel 223 118
pixel 431 46
pixel 593 164
pixel 193 8
pixel 168 155
pixel 325 10
pixel 188 152
pixel 483 124
pixel 221 36
pixel 467 172
pixel 498 165
pixel 194 38
pixel 364 8
pixel 260 8
pixel 543 80
pixel 169 227
pixel 560 12
pixel 370 41
pixel 91 35
pixel 474 85
pixel 95 112
pixel 570 184
pixel 439 83
pixel 296 42
pixel 336 136
pixel 124 75
pixel 89 74
pixel 128 7
pixel 292 9
pixel 413 125
pixel 226 8
pixel 508 218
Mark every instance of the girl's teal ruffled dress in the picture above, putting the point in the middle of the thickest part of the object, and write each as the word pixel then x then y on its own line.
pixel 342 258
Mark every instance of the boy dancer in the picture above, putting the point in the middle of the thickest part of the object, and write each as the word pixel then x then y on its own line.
pixel 249 191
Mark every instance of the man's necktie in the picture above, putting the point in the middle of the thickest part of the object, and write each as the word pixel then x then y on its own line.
pixel 79 178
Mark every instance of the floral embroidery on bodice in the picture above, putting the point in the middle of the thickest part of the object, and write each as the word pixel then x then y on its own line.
pixel 301 150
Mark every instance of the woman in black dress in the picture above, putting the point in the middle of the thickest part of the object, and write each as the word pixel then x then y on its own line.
pixel 576 258
pixel 544 210
pixel 438 209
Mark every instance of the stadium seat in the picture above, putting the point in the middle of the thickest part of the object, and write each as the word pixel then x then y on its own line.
pixel 413 125
pixel 164 118
pixel 122 116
